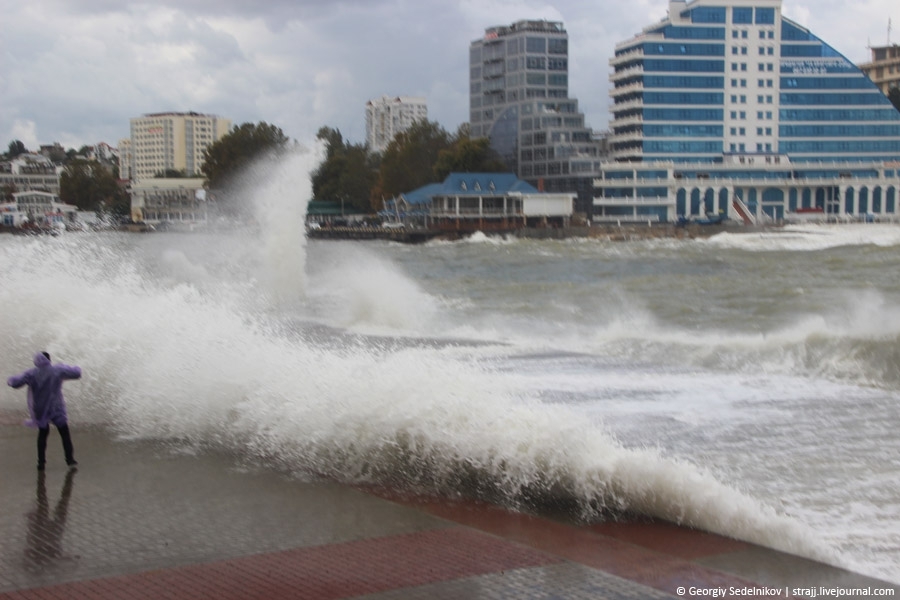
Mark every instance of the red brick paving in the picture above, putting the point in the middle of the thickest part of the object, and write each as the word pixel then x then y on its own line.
pixel 321 573
pixel 685 543
pixel 654 554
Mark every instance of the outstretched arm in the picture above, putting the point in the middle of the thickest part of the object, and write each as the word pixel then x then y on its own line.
pixel 69 371
pixel 17 381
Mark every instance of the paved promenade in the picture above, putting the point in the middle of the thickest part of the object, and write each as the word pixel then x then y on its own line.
pixel 141 520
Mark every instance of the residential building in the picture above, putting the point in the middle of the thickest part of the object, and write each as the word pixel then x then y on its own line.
pixel 389 115
pixel 164 142
pixel 519 98
pixel 178 202
pixel 726 107
pixel 884 68
pixel 468 202
pixel 29 172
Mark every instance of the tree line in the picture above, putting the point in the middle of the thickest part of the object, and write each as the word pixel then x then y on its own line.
pixel 425 153
pixel 349 173
pixel 352 174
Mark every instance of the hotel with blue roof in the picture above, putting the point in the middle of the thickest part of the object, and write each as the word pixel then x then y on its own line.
pixel 728 108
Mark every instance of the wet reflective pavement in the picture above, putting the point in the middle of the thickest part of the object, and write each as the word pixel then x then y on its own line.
pixel 144 520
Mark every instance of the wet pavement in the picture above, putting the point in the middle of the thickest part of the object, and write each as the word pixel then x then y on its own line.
pixel 153 520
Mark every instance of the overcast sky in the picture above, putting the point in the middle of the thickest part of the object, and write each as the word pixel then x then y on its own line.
pixel 76 71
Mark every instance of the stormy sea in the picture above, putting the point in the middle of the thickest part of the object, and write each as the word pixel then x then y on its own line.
pixel 745 384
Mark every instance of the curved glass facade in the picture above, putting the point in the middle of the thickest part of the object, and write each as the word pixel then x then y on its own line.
pixel 755 81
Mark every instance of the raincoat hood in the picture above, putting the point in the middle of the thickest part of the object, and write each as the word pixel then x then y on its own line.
pixel 40 360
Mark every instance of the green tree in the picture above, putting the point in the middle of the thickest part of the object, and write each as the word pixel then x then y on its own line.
pixel 347 173
pixel 228 157
pixel 16 147
pixel 408 161
pixel 468 156
pixel 90 185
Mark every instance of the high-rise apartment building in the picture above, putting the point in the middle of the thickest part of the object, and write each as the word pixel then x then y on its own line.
pixel 163 142
pixel 389 115
pixel 727 107
pixel 126 159
pixel 519 98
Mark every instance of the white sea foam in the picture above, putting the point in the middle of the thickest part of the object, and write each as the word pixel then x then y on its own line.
pixel 809 237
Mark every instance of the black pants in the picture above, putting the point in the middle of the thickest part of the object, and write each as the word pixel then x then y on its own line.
pixel 43 432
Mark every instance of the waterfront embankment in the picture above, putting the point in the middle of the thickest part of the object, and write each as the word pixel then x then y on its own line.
pixel 612 232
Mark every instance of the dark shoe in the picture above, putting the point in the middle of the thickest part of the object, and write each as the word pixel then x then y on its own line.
pixel 72 463
pixel 40 466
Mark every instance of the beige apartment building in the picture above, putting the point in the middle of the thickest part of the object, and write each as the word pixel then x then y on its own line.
pixel 172 141
pixel 884 68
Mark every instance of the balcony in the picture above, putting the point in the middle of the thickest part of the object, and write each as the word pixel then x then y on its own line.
pixel 627 73
pixel 635 104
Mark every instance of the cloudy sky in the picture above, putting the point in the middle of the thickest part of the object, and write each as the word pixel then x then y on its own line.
pixel 76 71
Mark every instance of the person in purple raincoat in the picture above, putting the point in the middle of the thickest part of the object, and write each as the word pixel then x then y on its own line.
pixel 46 403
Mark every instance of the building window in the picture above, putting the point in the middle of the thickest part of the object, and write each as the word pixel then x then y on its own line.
pixel 536 45
pixel 742 15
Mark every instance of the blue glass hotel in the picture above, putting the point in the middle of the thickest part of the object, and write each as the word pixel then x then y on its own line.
pixel 727 108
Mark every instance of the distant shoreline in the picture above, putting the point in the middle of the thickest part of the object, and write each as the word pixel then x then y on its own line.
pixel 624 232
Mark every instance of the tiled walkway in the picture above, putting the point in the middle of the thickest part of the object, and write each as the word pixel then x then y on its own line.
pixel 139 520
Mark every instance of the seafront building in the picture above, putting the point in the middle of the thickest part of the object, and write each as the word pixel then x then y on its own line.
pixel 162 142
pixel 519 98
pixel 179 203
pixel 468 202
pixel 38 209
pixel 389 115
pixel 728 109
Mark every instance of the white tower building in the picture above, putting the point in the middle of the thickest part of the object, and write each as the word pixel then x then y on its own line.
pixel 388 116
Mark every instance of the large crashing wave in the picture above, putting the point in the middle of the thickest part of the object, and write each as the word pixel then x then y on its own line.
pixel 167 358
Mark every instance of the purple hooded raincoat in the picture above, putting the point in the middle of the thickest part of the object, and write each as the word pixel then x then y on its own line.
pixel 45 398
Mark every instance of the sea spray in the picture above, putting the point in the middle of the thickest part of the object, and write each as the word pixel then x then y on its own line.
pixel 357 290
pixel 278 189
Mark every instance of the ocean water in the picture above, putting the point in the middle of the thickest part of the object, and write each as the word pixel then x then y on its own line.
pixel 746 384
